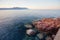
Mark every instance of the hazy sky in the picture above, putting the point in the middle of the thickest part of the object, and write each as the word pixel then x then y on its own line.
pixel 33 4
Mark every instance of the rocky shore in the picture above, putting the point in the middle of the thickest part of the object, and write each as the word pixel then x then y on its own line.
pixel 45 29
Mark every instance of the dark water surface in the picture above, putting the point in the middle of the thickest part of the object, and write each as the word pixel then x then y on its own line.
pixel 12 21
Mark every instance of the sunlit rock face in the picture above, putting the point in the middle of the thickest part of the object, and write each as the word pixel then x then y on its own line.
pixel 47 24
pixel 30 32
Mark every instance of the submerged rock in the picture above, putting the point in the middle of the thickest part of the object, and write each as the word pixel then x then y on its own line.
pixel 28 26
pixel 40 35
pixel 48 38
pixel 30 32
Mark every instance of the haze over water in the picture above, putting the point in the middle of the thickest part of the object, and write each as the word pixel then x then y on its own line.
pixel 11 19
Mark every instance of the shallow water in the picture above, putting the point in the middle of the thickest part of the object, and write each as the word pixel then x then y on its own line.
pixel 12 21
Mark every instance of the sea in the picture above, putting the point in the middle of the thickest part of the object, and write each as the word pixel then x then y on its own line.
pixel 12 21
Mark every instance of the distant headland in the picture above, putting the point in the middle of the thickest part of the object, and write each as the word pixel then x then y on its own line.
pixel 14 8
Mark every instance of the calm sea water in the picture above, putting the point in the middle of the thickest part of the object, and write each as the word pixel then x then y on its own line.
pixel 12 20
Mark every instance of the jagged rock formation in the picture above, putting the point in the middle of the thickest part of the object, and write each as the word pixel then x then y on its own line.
pixel 47 24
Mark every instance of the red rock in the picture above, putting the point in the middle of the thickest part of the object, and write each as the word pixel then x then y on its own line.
pixel 46 24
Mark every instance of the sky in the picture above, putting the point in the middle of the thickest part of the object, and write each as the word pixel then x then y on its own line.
pixel 32 4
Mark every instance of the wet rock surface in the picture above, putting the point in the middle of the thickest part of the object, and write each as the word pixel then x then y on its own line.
pixel 30 32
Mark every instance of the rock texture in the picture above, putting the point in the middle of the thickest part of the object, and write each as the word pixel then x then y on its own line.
pixel 57 37
pixel 47 24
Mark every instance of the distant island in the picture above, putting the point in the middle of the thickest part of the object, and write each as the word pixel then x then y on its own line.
pixel 14 8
